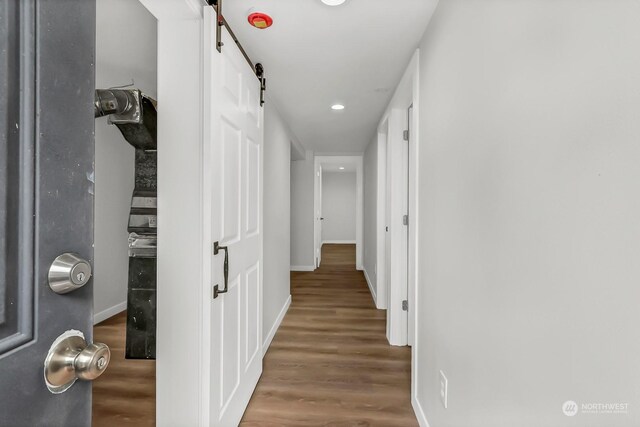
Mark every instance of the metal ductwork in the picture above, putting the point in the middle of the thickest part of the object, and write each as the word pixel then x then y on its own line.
pixel 135 116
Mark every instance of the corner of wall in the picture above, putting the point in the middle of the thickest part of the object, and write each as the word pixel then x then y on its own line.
pixel 109 312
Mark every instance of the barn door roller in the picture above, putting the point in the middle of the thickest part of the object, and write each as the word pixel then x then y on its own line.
pixel 258 69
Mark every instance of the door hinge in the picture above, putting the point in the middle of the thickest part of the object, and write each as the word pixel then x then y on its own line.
pixel 405 135
pixel 405 305
pixel 405 220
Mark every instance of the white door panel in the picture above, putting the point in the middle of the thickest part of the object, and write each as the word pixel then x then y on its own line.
pixel 318 216
pixel 234 146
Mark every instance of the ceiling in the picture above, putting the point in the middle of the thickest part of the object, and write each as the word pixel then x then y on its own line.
pixel 316 56
pixel 333 168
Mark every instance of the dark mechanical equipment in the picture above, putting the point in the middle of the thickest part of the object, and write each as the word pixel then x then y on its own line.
pixel 135 115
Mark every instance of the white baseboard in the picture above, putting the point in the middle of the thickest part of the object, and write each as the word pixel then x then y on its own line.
pixel 373 292
pixel 302 268
pixel 276 325
pixel 109 312
pixel 339 242
pixel 417 408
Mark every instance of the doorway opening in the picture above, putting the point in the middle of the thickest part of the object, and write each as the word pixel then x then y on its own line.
pixel 125 232
pixel 338 204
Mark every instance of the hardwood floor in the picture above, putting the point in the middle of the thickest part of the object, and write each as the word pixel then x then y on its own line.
pixel 329 364
pixel 125 395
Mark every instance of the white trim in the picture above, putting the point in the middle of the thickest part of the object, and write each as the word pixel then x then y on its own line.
pixel 302 268
pixel 183 316
pixel 417 408
pixel 414 194
pixel 373 292
pixel 276 325
pixel 360 213
pixel 381 234
pixel 176 10
pixel 109 312
pixel 339 242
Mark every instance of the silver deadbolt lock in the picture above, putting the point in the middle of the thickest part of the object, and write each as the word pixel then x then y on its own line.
pixel 71 358
pixel 68 272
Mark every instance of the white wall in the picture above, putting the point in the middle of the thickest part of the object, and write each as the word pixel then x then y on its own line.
pixel 277 221
pixel 302 199
pixel 529 234
pixel 339 207
pixel 370 238
pixel 126 49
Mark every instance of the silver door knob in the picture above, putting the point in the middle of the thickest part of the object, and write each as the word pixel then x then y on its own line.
pixel 68 272
pixel 71 358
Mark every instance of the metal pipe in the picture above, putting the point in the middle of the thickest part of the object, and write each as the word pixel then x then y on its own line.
pixel 113 101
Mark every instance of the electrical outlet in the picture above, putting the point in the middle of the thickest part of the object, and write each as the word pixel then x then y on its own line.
pixel 444 386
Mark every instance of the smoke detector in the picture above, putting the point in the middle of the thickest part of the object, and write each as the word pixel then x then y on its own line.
pixel 259 20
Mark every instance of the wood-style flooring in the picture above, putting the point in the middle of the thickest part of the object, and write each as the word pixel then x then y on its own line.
pixel 125 395
pixel 329 364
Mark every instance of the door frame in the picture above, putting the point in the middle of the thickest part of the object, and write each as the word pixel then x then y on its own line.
pixel 356 160
pixel 390 128
pixel 184 291
pixel 381 221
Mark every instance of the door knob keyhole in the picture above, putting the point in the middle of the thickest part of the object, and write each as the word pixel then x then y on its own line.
pixel 71 358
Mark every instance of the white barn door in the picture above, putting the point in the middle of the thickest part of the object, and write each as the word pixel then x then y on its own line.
pixel 233 142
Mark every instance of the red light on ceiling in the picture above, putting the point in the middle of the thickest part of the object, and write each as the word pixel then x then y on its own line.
pixel 260 20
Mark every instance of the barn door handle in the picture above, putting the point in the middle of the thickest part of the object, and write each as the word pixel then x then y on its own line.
pixel 216 250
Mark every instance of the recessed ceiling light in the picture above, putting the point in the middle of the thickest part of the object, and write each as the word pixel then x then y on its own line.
pixel 337 107
pixel 341 168
pixel 333 2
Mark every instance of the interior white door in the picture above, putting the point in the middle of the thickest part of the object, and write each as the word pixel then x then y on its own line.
pixel 387 235
pixel 319 217
pixel 397 243
pixel 410 229
pixel 234 142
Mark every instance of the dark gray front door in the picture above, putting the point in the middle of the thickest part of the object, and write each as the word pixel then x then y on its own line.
pixel 46 198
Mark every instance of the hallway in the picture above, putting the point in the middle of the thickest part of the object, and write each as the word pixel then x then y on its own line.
pixel 330 362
